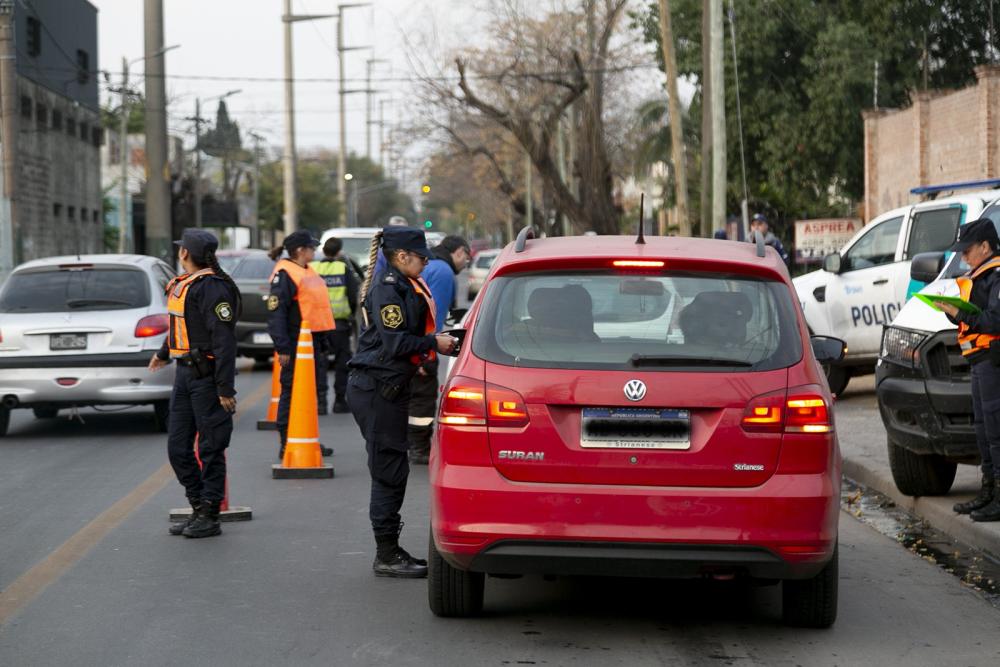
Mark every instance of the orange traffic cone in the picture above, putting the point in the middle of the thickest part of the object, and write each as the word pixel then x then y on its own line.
pixel 226 513
pixel 271 423
pixel 303 458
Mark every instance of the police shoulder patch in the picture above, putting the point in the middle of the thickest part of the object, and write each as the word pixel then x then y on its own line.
pixel 276 279
pixel 224 312
pixel 392 316
pixel 272 302
pixel 389 279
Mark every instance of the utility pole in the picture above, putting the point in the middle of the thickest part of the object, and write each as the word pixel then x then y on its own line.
pixel 124 219
pixel 255 231
pixel 706 121
pixel 676 120
pixel 717 67
pixel 159 228
pixel 10 239
pixel 381 135
pixel 369 106
pixel 342 93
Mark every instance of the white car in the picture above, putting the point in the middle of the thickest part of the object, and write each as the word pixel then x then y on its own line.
pixel 357 243
pixel 79 331
pixel 862 288
pixel 479 269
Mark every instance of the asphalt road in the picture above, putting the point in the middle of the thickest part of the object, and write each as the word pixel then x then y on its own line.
pixel 90 577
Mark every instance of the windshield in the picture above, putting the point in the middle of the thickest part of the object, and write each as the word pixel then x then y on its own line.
pixel 358 250
pixel 229 262
pixel 956 267
pixel 59 291
pixel 614 321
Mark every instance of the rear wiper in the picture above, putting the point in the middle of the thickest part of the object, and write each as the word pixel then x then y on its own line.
pixel 661 360
pixel 80 303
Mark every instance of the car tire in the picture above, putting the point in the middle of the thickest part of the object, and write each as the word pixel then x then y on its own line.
pixel 812 603
pixel 920 474
pixel 161 415
pixel 45 413
pixel 838 378
pixel 4 421
pixel 452 593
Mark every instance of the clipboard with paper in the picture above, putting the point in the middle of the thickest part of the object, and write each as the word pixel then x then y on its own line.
pixel 956 301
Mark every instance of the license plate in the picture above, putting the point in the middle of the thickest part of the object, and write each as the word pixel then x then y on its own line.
pixel 262 338
pixel 68 342
pixel 635 428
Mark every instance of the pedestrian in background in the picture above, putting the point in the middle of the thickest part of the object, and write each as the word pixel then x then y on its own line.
pixel 979 338
pixel 203 304
pixel 759 224
pixel 449 258
pixel 298 294
pixel 397 338
pixel 342 290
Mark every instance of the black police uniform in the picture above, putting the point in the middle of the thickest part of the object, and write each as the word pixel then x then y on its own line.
pixel 985 374
pixel 378 394
pixel 210 313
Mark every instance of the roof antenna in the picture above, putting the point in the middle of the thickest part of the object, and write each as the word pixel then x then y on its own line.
pixel 642 212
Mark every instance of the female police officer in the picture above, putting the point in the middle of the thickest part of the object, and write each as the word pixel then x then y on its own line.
pixel 398 337
pixel 298 294
pixel 204 305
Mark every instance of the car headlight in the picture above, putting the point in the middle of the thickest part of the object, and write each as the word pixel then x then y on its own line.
pixel 900 346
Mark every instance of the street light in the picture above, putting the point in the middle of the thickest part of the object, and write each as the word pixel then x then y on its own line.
pixel 124 223
pixel 197 150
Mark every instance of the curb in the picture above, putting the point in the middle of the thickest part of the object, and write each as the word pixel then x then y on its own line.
pixel 936 510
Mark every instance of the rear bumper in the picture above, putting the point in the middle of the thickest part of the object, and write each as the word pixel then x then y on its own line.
pixel 95 385
pixel 784 529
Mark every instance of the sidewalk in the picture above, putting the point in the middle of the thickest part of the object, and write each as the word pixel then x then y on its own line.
pixel 863 446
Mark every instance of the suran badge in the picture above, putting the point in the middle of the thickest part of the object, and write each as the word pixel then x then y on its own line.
pixel 392 316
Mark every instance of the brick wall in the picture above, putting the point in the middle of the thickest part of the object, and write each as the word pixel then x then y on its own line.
pixel 943 137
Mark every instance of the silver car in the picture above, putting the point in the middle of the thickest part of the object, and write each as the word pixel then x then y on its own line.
pixel 79 331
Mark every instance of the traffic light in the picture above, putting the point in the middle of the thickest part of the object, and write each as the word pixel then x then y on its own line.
pixel 428 223
pixel 426 189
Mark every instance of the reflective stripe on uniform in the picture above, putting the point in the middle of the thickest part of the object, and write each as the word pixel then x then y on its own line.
pixel 421 421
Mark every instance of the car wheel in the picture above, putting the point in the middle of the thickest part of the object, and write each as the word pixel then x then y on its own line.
pixel 161 415
pixel 920 474
pixel 4 421
pixel 837 377
pixel 45 413
pixel 451 592
pixel 812 603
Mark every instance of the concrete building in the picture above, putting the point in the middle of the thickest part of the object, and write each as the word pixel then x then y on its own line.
pixel 57 191
pixel 944 137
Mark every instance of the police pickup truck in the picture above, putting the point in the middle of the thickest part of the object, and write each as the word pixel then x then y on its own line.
pixel 863 288
pixel 923 385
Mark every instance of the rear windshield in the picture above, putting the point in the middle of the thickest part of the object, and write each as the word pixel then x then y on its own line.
pixel 59 291
pixel 615 321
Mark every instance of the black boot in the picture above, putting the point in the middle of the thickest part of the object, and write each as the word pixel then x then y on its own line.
pixel 992 511
pixel 393 561
pixel 206 524
pixel 321 404
pixel 283 435
pixel 325 451
pixel 177 528
pixel 981 500
pixel 340 406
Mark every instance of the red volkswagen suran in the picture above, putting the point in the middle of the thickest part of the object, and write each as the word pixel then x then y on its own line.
pixel 640 409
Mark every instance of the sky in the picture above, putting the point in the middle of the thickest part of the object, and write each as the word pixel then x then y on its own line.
pixel 243 39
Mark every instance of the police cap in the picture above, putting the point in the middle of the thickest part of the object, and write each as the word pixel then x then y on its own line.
pixel 975 232
pixel 405 238
pixel 198 243
pixel 301 238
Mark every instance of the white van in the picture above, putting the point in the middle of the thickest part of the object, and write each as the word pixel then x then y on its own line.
pixel 863 288
pixel 357 243
pixel 923 386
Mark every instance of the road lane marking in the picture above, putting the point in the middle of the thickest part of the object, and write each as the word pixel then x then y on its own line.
pixel 30 585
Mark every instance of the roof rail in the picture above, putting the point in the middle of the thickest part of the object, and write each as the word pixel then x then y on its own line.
pixel 522 238
pixel 758 238
pixel 962 185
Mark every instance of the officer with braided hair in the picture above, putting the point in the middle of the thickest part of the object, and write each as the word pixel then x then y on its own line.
pixel 399 336
pixel 204 305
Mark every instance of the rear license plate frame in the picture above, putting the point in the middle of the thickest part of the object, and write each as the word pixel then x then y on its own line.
pixel 673 424
pixel 63 342
pixel 261 338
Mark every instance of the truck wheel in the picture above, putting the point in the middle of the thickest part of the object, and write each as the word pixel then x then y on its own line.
pixel 837 377
pixel 920 474
pixel 4 421
pixel 812 603
pixel 161 415
pixel 451 592
pixel 45 413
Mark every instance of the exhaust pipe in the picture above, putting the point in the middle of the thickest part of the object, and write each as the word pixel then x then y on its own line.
pixel 10 401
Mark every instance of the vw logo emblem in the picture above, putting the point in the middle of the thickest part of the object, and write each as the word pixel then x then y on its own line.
pixel 635 390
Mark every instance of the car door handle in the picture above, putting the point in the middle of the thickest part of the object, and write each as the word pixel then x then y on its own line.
pixel 881 281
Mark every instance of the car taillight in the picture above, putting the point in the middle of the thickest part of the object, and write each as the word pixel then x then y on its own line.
pixel 801 411
pixel 469 402
pixel 154 325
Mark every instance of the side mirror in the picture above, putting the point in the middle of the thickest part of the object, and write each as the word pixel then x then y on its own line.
pixel 927 266
pixel 828 350
pixel 832 263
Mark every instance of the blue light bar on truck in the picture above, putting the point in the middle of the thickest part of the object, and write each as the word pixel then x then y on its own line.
pixel 964 185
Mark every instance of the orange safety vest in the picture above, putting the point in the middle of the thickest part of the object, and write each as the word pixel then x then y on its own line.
pixel 430 326
pixel 311 295
pixel 177 290
pixel 972 343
